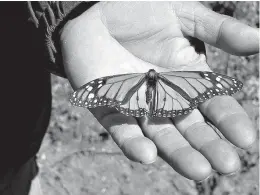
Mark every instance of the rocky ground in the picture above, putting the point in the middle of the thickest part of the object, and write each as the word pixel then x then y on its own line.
pixel 78 156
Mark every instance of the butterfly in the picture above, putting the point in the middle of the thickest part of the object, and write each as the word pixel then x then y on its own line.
pixel 164 94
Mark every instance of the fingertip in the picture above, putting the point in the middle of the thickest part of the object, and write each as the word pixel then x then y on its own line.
pixel 241 131
pixel 222 156
pixel 140 149
pixel 232 165
pixel 250 136
pixel 249 140
pixel 191 164
pixel 238 38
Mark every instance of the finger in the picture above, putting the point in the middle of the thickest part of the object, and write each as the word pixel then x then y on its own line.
pixel 231 119
pixel 218 30
pixel 203 138
pixel 174 149
pixel 127 134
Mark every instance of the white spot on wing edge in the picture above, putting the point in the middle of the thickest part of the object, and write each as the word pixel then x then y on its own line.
pixel 91 95
pixel 218 78
pixel 219 85
pixel 90 88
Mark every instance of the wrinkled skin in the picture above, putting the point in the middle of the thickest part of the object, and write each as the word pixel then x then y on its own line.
pixel 124 37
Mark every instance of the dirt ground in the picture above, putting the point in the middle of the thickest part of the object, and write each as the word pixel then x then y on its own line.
pixel 78 157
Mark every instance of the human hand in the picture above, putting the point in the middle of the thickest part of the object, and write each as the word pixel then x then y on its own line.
pixel 125 37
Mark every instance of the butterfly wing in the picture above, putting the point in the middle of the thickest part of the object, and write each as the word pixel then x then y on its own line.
pixel 178 93
pixel 124 92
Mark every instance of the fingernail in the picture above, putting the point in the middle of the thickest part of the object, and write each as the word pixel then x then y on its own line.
pixel 231 174
pixel 148 162
pixel 201 181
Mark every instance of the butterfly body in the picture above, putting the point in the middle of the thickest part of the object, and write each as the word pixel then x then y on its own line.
pixel 151 82
pixel 165 94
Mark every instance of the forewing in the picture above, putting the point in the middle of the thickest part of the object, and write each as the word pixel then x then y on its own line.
pixel 180 92
pixel 119 91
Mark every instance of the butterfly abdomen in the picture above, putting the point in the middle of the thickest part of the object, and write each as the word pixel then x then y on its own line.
pixel 151 78
pixel 149 94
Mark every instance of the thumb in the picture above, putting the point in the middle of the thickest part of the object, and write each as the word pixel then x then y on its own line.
pixel 218 30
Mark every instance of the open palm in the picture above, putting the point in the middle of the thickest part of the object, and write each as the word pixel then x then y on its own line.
pixel 125 37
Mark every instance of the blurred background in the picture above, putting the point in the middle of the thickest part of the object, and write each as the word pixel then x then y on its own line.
pixel 78 156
